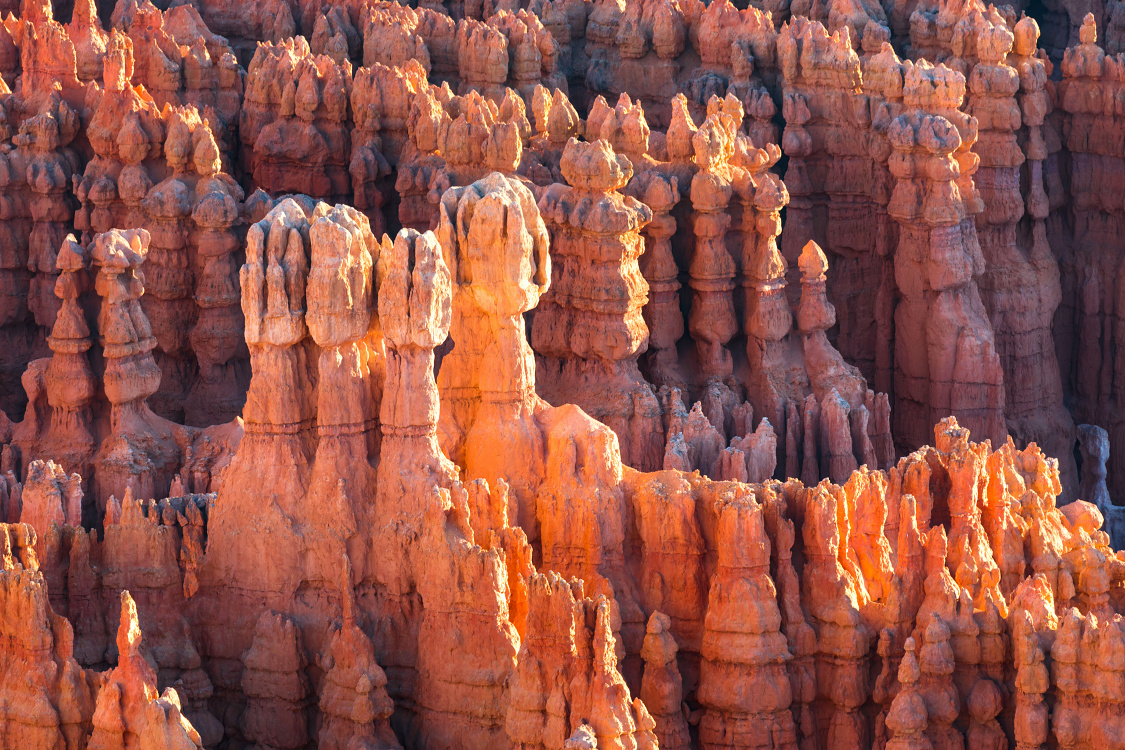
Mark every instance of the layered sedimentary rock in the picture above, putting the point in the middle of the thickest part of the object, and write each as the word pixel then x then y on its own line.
pixel 743 682
pixel 478 399
pixel 1082 231
pixel 588 329
pixel 281 416
pixel 1020 285
pixel 457 141
pixel 908 717
pixel 409 525
pixel 49 698
pixel 295 121
pixel 654 50
pixel 381 100
pixel 818 663
pixel 712 272
pixel 191 215
pixel 739 55
pixel 121 444
pixel 50 497
pixel 126 133
pixel 945 353
pixel 354 701
pixel 830 179
pixel 60 704
pixel 129 710
pixel 662 686
pixel 512 49
pixel 162 169
pixel 661 312
pixel 566 677
pixel 180 61
pixel 272 21
pixel 39 210
pixel 68 379
pixel 131 374
pixel 275 685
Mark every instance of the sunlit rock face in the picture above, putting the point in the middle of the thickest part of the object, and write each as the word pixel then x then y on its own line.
pixel 627 374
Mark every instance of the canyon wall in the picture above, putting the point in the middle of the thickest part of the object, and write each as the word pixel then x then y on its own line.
pixel 625 374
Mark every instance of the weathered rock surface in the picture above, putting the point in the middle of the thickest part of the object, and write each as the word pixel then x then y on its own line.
pixel 594 451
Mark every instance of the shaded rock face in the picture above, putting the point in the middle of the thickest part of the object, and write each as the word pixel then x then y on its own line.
pixel 595 243
pixel 619 437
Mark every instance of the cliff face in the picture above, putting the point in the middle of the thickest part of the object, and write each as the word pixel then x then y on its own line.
pixel 621 440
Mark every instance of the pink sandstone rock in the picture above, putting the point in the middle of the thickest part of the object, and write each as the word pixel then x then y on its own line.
pixel 489 300
pixel 1019 285
pixel 398 465
pixel 936 262
pixel 908 717
pixel 743 684
pixel 54 695
pixel 131 375
pixel 295 121
pixel 562 677
pixel 354 700
pixel 662 687
pixel 275 685
pixel 129 710
pixel 588 328
pixel 1076 131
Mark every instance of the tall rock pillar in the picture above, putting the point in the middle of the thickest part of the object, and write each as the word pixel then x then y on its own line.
pixel 1020 287
pixel 712 319
pixel 589 329
pixel 141 449
pixel 495 245
pixel 945 352
pixel 414 308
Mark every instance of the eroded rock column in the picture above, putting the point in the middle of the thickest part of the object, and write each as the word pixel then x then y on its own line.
pixel 273 303
pixel 141 450
pixel 341 320
pixel 589 328
pixel 744 685
pixel 711 321
pixel 945 353
pixel 1020 287
pixel 414 307
pixel 496 247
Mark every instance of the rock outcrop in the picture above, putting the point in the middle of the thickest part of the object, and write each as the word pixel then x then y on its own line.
pixel 1019 287
pixel 945 353
pixel 432 489
pixel 49 699
pixel 589 329
pixel 744 686
pixel 662 686
pixel 141 450
pixel 1085 158
pixel 295 121
pixel 566 678
pixel 129 710
pixel 275 685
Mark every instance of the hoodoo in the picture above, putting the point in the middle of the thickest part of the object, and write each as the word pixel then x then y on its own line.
pixel 561 374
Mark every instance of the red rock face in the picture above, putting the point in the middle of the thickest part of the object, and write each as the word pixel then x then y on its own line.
pixel 1021 280
pixel 295 124
pixel 41 671
pixel 588 328
pixel 1090 279
pixel 937 259
pixel 479 376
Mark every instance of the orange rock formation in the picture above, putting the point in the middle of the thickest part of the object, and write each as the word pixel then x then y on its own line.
pixel 473 375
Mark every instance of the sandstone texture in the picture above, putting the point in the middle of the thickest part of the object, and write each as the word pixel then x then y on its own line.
pixel 610 375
